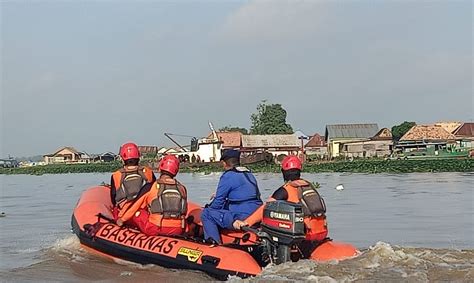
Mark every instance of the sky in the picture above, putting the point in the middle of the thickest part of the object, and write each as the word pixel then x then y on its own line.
pixel 96 74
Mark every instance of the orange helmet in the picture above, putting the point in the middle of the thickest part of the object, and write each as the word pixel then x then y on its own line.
pixel 169 163
pixel 291 162
pixel 129 151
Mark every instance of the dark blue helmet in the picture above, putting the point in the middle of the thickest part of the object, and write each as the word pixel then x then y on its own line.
pixel 230 153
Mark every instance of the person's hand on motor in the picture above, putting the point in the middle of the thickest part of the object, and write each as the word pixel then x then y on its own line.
pixel 238 224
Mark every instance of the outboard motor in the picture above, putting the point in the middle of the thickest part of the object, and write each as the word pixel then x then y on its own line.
pixel 284 223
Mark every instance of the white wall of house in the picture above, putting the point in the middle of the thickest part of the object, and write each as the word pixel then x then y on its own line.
pixel 209 152
pixel 54 159
pixel 377 148
pixel 334 145
pixel 320 151
pixel 285 152
pixel 465 143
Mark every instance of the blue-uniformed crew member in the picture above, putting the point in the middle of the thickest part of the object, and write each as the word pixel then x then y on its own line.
pixel 237 197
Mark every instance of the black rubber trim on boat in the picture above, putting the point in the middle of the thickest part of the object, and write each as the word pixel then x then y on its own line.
pixel 212 260
pixel 145 257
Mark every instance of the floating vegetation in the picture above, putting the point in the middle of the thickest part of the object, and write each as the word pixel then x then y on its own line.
pixel 63 168
pixel 364 166
pixel 357 166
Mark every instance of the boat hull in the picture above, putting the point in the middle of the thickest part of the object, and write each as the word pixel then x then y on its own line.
pixel 239 256
pixel 172 252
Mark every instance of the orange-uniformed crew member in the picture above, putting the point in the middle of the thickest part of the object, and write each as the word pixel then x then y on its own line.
pixel 162 209
pixel 129 182
pixel 297 190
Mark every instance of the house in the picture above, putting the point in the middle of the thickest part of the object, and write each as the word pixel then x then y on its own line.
pixel 9 163
pixel 179 152
pixel 105 157
pixel 426 140
pixel 335 135
pixel 380 145
pixel 316 146
pixel 465 135
pixel 32 163
pixel 170 150
pixel 67 154
pixel 148 149
pixel 229 139
pixel 274 144
pixel 207 150
pixel 162 150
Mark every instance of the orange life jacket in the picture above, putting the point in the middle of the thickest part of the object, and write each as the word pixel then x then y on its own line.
pixel 314 208
pixel 166 202
pixel 169 205
pixel 128 182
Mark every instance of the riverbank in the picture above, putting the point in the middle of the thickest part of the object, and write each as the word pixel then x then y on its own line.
pixel 359 166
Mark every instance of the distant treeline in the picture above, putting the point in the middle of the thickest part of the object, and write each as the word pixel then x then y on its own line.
pixel 357 166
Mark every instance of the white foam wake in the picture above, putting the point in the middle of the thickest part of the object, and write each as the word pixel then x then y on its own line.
pixel 69 247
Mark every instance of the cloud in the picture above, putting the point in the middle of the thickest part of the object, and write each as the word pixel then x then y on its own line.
pixel 272 21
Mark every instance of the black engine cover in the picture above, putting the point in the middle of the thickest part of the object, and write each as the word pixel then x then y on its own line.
pixel 284 222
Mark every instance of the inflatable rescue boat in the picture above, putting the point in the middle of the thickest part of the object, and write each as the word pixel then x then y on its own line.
pixel 243 254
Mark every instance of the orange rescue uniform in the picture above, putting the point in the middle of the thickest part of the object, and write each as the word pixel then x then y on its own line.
pixel 154 223
pixel 121 206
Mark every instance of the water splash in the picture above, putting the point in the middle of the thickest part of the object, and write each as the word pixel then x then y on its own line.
pixel 380 262
pixel 384 254
pixel 68 248
pixel 69 245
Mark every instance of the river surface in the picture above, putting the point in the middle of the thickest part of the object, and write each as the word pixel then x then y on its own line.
pixel 409 227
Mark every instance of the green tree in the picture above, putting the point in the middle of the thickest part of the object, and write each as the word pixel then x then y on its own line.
pixel 399 130
pixel 269 119
pixel 234 129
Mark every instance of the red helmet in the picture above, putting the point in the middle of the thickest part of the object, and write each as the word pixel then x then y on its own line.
pixel 129 151
pixel 291 162
pixel 169 163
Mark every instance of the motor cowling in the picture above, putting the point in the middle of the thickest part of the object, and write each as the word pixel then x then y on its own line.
pixel 284 223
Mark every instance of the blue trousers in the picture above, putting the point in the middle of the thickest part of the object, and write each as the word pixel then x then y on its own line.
pixel 213 219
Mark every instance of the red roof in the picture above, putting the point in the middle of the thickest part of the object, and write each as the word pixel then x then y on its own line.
pixel 316 141
pixel 144 149
pixel 466 130
pixel 229 139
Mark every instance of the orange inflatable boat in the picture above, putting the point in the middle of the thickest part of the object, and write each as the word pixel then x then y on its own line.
pixel 243 254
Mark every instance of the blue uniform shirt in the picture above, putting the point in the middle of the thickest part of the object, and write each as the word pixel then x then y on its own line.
pixel 238 192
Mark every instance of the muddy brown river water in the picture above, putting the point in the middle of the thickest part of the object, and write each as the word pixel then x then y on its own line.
pixel 409 227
